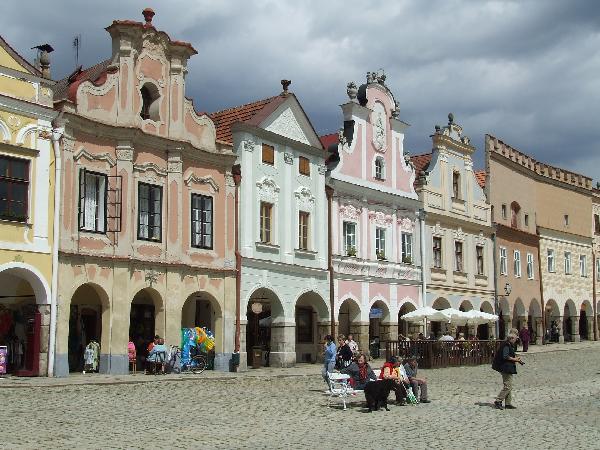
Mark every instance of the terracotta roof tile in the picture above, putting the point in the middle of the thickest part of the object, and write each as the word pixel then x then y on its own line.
pixel 67 87
pixel 329 139
pixel 248 113
pixel 421 162
pixel 480 176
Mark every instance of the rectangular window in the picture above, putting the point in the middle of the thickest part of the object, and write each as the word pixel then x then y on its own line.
pixel 350 238
pixel 437 252
pixel 92 201
pixel 266 211
pixel 304 325
pixel 304 166
pixel 202 221
pixel 14 189
pixel 149 212
pixel 567 263
pixel 582 266
pixel 458 256
pixel 517 268
pixel 503 261
pixel 456 185
pixel 566 220
pixel 504 211
pixel 526 220
pixel 530 266
pixel 268 154
pixel 303 218
pixel 597 223
pixel 407 241
pixel 380 243
pixel 550 254
pixel 479 256
pixel 379 168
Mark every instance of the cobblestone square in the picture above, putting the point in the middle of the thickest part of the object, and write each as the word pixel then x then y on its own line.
pixel 557 395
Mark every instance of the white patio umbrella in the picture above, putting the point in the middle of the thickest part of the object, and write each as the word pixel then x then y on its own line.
pixel 456 316
pixel 425 312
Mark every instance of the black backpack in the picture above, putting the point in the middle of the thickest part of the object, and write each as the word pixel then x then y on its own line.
pixel 498 361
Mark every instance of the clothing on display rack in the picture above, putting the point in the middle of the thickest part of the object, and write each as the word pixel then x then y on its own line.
pixel 91 356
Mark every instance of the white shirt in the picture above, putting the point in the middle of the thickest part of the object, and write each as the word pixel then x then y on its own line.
pixel 446 337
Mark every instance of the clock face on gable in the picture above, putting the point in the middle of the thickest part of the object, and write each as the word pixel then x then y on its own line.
pixel 379 121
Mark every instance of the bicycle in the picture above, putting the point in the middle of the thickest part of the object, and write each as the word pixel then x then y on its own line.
pixel 197 364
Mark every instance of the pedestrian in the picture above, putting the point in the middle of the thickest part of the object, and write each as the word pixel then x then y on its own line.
pixel 504 362
pixel 352 344
pixel 328 357
pixel 344 354
pixel 524 337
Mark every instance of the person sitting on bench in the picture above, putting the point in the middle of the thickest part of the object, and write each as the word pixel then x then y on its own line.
pixel 360 372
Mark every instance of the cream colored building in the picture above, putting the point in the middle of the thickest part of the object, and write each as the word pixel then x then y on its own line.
pixel 459 271
pixel 27 179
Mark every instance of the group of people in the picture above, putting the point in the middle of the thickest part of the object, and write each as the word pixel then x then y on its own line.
pixel 156 349
pixel 348 360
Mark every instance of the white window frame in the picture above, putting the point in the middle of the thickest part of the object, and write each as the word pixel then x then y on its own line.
pixel 381 176
pixel 530 273
pixel 550 260
pixel 380 242
pixel 517 263
pixel 568 267
pixel 441 248
pixel 93 194
pixel 349 238
pixel 503 261
pixel 460 269
pixel 582 265
pixel 407 247
pixel 477 247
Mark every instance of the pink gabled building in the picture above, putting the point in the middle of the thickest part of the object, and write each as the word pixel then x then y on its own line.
pixel 374 229
pixel 147 230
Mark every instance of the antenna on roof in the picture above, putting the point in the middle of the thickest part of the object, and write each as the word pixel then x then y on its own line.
pixel 76 48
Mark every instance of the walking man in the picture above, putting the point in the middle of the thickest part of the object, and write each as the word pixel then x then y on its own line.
pixel 524 337
pixel 504 362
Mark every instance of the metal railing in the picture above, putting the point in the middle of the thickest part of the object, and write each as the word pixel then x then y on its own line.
pixel 436 354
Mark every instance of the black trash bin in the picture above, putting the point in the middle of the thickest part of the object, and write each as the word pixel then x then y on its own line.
pixel 234 362
pixel 256 357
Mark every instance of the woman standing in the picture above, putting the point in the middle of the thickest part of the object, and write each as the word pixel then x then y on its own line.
pixel 328 357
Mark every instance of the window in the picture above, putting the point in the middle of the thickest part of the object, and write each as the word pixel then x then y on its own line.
pixel 479 256
pixel 350 238
pixel 503 211
pixel 567 263
pixel 437 252
pixel 379 168
pixel 92 201
pixel 380 243
pixel 304 325
pixel 150 103
pixel 14 188
pixel 304 166
pixel 458 256
pixel 303 218
pixel 597 223
pixel 202 221
pixel 526 220
pixel 268 154
pixel 407 239
pixel 514 214
pixel 456 185
pixel 550 254
pixel 530 266
pixel 566 220
pixel 503 261
pixel 266 211
pixel 149 212
pixel 597 269
pixel 517 264
pixel 582 266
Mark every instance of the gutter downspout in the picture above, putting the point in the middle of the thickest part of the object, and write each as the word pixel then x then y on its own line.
pixel 496 303
pixel 237 179
pixel 329 194
pixel 57 132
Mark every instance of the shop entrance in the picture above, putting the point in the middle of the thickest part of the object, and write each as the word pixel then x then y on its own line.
pixel 263 308
pixel 312 325
pixel 85 327
pixel 144 321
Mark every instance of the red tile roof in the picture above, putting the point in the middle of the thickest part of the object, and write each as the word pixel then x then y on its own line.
pixel 480 176
pixel 67 87
pixel 329 139
pixel 421 162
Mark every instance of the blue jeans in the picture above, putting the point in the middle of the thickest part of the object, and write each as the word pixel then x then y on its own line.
pixel 328 366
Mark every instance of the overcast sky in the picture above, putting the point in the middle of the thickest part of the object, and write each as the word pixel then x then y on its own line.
pixel 525 71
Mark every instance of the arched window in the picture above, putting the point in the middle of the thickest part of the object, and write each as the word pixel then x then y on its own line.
pixel 379 168
pixel 150 102
pixel 514 214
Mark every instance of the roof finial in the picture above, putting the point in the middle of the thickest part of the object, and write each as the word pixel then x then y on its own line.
pixel 285 84
pixel 450 119
pixel 148 14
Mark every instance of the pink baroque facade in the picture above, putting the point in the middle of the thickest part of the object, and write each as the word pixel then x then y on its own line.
pixel 147 217
pixel 375 239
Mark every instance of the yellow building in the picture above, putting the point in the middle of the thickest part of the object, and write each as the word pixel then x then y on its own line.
pixel 27 178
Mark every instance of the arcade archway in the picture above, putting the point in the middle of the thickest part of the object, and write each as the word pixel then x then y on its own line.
pixel 312 325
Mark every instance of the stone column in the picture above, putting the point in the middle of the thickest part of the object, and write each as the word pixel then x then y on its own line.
pixel 115 329
pixel 539 330
pixel 561 336
pixel 388 331
pixel 575 329
pixel 323 329
pixel 590 328
pixel 243 367
pixel 507 325
pixel 283 344
pixel 360 331
pixel 44 336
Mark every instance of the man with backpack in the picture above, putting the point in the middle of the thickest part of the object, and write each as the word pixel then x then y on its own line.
pixel 504 362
